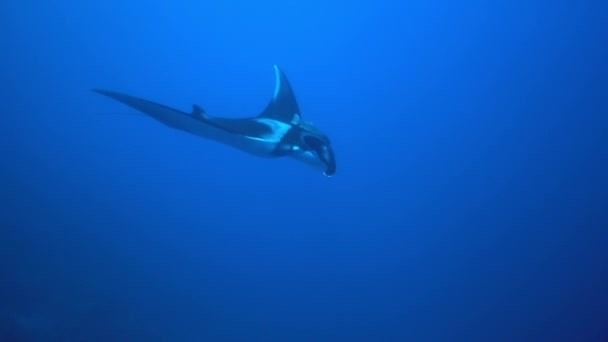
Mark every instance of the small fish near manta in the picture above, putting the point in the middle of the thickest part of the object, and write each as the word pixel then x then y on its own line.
pixel 278 131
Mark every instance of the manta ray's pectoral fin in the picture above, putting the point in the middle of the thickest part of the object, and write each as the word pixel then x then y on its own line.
pixel 198 112
pixel 283 106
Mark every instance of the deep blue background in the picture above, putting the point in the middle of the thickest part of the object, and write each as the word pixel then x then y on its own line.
pixel 470 202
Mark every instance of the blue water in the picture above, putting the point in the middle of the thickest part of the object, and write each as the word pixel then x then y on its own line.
pixel 469 203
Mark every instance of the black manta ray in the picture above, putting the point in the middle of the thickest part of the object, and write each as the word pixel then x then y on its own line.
pixel 277 132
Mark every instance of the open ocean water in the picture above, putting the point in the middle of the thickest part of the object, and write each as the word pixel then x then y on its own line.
pixel 470 201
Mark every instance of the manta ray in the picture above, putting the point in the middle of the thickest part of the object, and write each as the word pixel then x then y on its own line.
pixel 279 131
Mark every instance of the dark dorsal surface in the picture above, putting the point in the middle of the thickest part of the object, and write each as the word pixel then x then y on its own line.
pixel 244 127
pixel 283 105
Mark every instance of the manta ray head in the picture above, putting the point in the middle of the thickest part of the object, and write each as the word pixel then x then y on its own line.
pixel 314 148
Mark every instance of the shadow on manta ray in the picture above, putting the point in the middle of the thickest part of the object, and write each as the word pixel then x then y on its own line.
pixel 278 131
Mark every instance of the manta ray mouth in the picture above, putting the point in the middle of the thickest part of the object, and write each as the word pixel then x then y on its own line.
pixel 330 171
pixel 323 152
pixel 327 157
